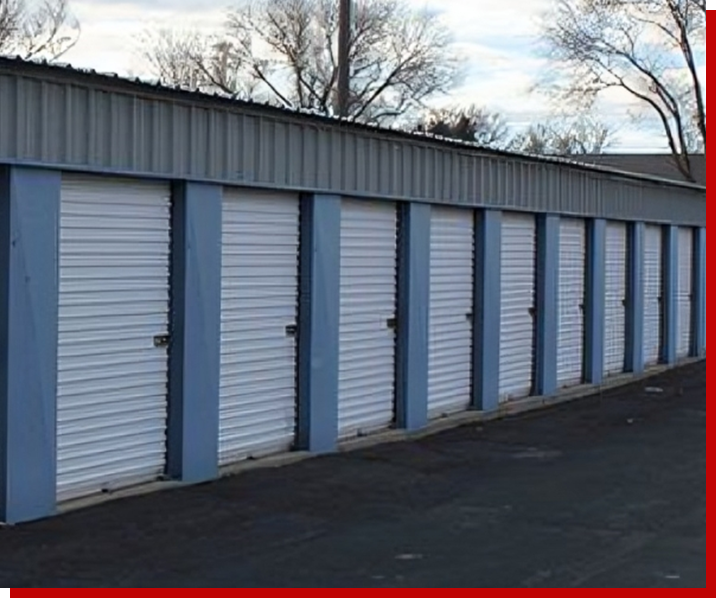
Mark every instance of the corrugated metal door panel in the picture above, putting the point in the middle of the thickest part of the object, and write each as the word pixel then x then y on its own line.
pixel 684 324
pixel 113 301
pixel 518 254
pixel 260 287
pixel 451 304
pixel 367 338
pixel 653 294
pixel 571 313
pixel 615 297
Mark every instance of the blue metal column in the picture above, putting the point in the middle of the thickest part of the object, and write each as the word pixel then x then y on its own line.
pixel 634 342
pixel 486 310
pixel 595 302
pixel 546 305
pixel 318 376
pixel 29 288
pixel 699 296
pixel 193 424
pixel 412 342
pixel 670 282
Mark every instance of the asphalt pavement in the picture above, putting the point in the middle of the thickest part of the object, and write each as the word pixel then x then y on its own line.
pixel 606 491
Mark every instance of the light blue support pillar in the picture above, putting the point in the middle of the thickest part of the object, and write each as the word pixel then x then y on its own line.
pixel 595 302
pixel 412 342
pixel 29 225
pixel 635 304
pixel 546 305
pixel 318 377
pixel 486 310
pixel 699 296
pixel 193 424
pixel 670 283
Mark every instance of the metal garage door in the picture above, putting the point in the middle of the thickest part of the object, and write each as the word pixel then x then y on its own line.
pixel 516 305
pixel 615 297
pixel 571 312
pixel 653 294
pixel 684 303
pixel 260 253
pixel 367 335
pixel 451 306
pixel 113 322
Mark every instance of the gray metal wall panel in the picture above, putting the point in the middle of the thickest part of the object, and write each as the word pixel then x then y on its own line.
pixel 62 118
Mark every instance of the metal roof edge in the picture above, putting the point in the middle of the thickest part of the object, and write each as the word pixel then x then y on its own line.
pixel 121 84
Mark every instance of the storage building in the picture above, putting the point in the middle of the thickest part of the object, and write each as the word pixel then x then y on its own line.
pixel 188 281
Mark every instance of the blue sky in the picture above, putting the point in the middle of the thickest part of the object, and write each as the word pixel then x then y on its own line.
pixel 498 38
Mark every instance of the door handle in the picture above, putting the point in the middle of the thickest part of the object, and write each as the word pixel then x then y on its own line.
pixel 291 330
pixel 392 323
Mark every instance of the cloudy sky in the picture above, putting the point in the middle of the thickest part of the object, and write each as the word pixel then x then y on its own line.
pixel 499 38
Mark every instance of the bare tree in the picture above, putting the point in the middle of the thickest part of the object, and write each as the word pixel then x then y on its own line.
pixel 188 59
pixel 47 30
pixel 285 51
pixel 472 124
pixel 564 138
pixel 648 49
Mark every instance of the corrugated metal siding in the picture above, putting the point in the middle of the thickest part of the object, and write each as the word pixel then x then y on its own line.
pixel 684 302
pixel 367 344
pixel 517 327
pixel 571 300
pixel 451 305
pixel 114 300
pixel 615 297
pixel 652 328
pixel 141 130
pixel 260 254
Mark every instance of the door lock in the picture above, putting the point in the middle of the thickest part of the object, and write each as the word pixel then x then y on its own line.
pixel 161 341
pixel 291 330
pixel 392 323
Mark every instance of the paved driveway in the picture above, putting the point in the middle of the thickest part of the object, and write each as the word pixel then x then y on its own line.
pixel 605 492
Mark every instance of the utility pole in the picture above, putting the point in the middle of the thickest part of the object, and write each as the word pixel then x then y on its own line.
pixel 343 54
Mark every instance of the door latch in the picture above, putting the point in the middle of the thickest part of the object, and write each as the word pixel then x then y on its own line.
pixel 469 317
pixel 532 311
pixel 392 323
pixel 161 341
pixel 291 330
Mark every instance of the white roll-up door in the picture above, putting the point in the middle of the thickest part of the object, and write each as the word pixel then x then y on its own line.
pixel 652 324
pixel 518 252
pixel 367 335
pixel 113 326
pixel 260 254
pixel 451 306
pixel 615 297
pixel 571 309
pixel 684 303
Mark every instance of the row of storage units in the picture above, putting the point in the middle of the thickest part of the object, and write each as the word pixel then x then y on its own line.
pixel 115 302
